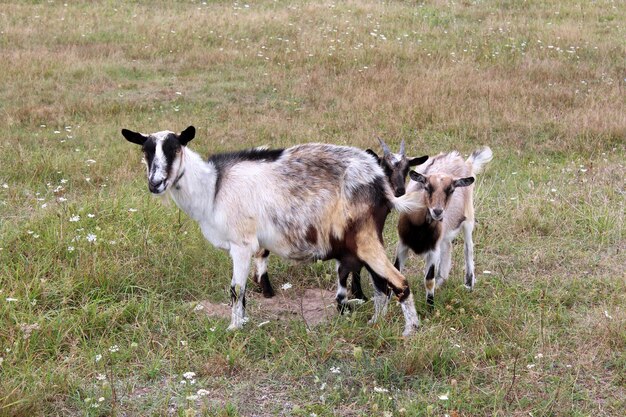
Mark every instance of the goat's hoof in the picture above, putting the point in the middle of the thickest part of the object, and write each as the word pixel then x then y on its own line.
pixel 232 328
pixel 469 287
pixel 410 329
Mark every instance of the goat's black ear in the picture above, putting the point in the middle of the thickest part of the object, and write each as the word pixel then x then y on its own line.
pixel 371 152
pixel 186 135
pixel 418 178
pixel 134 137
pixel 418 161
pixel 463 182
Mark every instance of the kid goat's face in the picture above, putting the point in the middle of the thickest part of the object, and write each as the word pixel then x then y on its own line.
pixel 439 189
pixel 162 155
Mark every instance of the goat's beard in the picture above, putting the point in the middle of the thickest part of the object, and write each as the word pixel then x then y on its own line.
pixel 164 197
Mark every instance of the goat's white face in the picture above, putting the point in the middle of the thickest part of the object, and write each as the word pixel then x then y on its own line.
pixel 439 188
pixel 162 154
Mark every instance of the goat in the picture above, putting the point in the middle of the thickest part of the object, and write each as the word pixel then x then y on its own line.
pixel 396 167
pixel 445 182
pixel 304 203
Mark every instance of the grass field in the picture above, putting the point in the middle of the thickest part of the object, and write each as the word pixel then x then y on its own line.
pixel 99 281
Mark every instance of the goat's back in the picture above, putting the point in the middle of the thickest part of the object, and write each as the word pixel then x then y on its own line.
pixel 296 199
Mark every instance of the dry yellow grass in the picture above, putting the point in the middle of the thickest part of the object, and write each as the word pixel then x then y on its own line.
pixel 542 83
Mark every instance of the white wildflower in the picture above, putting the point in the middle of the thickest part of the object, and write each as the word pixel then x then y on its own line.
pixel 44 205
pixel 132 210
pixel 286 286
pixel 444 397
pixel 5 185
pixel 100 399
pixel 75 218
pixel 192 397
pixel 380 390
pixel 11 299
pixel 114 348
pixel 335 370
pixel 98 358
pixel 212 329
pixel 198 307
pixel 101 377
pixel 487 272
pixel 607 315
pixel 202 392
pixel 91 216
pixel 183 343
pixel 62 199
pixel 70 248
pixel 63 181
pixel 530 366
pixel 91 237
pixel 134 345
pixel 189 375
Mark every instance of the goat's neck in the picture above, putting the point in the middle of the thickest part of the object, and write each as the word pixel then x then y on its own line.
pixel 194 190
pixel 422 215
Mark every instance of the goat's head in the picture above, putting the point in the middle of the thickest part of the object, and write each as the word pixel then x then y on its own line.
pixel 438 189
pixel 162 152
pixel 396 166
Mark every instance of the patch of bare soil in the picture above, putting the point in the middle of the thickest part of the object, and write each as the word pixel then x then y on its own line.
pixel 313 305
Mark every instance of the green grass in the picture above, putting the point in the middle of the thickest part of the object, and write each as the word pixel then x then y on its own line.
pixel 542 83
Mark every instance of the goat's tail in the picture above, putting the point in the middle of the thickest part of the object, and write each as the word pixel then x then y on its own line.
pixel 408 202
pixel 479 158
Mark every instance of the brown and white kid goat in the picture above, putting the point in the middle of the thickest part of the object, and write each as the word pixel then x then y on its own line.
pixel 307 202
pixel 445 183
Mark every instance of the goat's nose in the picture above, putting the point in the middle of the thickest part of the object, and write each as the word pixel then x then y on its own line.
pixel 400 192
pixel 437 212
pixel 155 184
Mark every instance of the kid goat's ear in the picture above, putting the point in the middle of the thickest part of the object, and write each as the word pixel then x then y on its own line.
pixel 418 178
pixel 374 154
pixel 134 137
pixel 418 161
pixel 186 135
pixel 463 182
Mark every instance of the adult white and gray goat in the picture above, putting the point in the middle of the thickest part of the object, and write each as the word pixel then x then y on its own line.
pixel 304 203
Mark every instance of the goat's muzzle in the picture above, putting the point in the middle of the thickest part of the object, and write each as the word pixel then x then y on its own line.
pixel 157 187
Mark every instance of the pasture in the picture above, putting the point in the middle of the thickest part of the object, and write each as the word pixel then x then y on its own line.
pixel 104 290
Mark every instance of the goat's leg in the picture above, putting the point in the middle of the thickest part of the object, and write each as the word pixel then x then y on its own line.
pixel 402 253
pixel 342 292
pixel 357 291
pixel 370 250
pixel 241 256
pixel 260 273
pixel 382 294
pixel 445 263
pixel 430 272
pixel 470 278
